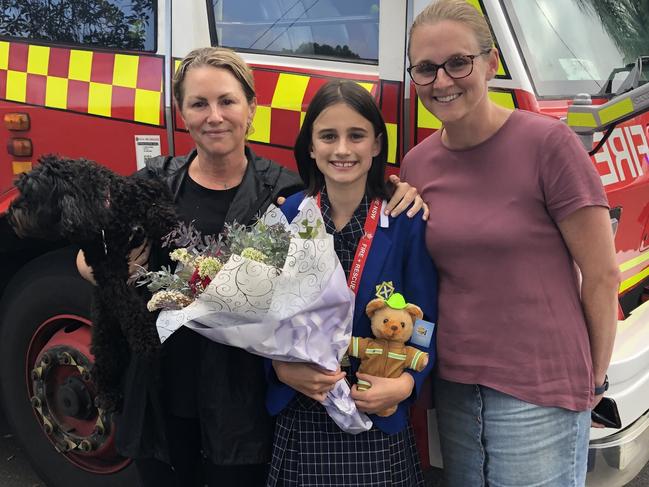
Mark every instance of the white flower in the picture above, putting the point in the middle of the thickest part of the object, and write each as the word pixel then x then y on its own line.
pixel 182 256
pixel 168 300
pixel 208 267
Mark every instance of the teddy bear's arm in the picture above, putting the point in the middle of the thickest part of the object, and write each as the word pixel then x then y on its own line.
pixel 357 347
pixel 416 359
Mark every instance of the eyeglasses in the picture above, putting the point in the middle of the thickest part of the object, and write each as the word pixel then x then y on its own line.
pixel 456 67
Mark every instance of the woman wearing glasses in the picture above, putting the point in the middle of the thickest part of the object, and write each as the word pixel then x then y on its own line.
pixel 515 200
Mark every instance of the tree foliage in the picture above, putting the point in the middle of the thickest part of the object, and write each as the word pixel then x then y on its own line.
pixel 324 50
pixel 625 21
pixel 107 23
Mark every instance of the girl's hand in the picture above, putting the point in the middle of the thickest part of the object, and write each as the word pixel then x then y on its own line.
pixel 384 392
pixel 405 195
pixel 310 380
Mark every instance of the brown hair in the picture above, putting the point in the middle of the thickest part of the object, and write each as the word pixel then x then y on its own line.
pixel 459 11
pixel 217 57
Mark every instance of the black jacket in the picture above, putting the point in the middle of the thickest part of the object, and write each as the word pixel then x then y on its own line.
pixel 236 429
pixel 262 183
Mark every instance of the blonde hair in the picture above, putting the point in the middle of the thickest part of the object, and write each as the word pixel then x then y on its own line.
pixel 457 11
pixel 217 57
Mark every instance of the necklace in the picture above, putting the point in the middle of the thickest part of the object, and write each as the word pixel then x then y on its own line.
pixel 228 183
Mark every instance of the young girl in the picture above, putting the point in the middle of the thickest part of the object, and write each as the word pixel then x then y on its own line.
pixel 341 152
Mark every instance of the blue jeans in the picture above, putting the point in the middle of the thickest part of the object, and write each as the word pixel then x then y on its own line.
pixel 492 439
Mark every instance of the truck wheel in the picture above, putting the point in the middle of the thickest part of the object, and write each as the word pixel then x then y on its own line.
pixel 45 384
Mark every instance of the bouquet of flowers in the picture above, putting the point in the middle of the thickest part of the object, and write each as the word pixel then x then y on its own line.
pixel 276 290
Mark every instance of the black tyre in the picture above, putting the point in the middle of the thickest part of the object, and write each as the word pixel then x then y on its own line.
pixel 46 390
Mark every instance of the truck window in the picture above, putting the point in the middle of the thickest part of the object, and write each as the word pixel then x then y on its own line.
pixel 573 46
pixel 115 24
pixel 330 29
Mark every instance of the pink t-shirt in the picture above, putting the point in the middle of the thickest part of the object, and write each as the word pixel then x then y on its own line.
pixel 510 316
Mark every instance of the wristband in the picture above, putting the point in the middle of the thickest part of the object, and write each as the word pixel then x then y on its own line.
pixel 603 388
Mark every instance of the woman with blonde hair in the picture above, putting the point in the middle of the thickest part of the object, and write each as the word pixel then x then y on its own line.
pixel 522 348
pixel 198 417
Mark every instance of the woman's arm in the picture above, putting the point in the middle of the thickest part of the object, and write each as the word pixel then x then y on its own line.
pixel 587 233
pixel 404 197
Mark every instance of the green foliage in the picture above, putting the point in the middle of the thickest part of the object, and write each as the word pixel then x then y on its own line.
pixel 268 244
pixel 309 231
pixel 323 50
pixel 106 23
pixel 270 240
pixel 186 236
pixel 625 21
pixel 164 279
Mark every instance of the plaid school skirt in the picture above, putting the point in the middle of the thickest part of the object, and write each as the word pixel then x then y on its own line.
pixel 310 450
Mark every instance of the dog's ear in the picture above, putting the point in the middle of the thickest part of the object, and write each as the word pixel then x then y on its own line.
pixel 160 213
pixel 21 181
pixel 415 311
pixel 374 305
pixel 72 214
pixel 81 217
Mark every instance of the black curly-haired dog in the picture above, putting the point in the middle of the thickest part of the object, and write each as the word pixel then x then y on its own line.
pixel 107 215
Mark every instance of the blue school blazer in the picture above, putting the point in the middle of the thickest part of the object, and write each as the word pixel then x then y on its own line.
pixel 398 254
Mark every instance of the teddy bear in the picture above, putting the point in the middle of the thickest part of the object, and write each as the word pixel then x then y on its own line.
pixel 387 355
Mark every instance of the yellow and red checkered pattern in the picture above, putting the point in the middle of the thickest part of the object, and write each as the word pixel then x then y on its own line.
pixel 283 97
pixel 122 86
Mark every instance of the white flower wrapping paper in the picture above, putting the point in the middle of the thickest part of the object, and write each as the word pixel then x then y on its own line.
pixel 302 313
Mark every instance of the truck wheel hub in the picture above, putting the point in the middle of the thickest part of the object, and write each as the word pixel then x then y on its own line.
pixel 73 399
pixel 63 398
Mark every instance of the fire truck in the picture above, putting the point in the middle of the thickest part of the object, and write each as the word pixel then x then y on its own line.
pixel 93 79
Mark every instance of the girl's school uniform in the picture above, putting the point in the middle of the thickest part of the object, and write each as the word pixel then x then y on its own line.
pixel 309 449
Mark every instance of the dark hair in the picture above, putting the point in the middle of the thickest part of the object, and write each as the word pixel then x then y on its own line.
pixel 358 99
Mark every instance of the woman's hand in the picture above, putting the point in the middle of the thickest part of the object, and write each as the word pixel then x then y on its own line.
pixel 84 269
pixel 588 236
pixel 595 424
pixel 310 380
pixel 384 392
pixel 405 195
pixel 138 257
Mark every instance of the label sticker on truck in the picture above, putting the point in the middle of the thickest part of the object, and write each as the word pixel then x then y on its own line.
pixel 146 147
